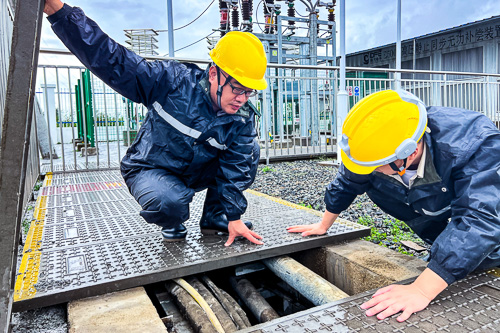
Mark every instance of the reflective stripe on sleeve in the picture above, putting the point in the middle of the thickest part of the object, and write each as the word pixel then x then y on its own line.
pixel 183 128
pixel 439 212
pixel 175 123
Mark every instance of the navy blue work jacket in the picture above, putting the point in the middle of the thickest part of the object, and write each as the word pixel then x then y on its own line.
pixel 181 132
pixel 456 205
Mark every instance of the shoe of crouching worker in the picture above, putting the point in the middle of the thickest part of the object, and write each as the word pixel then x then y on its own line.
pixel 213 225
pixel 174 234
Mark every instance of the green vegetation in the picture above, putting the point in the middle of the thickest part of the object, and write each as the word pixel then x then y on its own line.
pixel 324 158
pixel 392 232
pixel 305 205
pixel 267 168
pixel 37 186
pixel 26 225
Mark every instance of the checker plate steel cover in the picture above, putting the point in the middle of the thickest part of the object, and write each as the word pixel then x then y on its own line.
pixel 470 305
pixel 95 243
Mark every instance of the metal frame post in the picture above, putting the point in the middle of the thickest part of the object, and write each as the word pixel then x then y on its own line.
pixel 14 144
pixel 280 89
pixel 313 54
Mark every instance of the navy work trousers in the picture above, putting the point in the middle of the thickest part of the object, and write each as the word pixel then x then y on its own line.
pixel 165 197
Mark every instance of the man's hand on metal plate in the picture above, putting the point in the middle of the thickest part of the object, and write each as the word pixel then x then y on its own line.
pixel 238 228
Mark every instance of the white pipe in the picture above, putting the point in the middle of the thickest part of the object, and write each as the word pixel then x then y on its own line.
pixel 310 285
pixel 398 47
pixel 342 106
pixel 170 21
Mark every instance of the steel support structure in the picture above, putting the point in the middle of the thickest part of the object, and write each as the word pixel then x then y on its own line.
pixel 14 144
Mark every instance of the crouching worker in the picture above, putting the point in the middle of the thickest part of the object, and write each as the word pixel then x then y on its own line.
pixel 199 132
pixel 437 169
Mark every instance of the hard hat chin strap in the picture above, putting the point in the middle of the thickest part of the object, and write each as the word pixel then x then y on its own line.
pixel 401 170
pixel 220 87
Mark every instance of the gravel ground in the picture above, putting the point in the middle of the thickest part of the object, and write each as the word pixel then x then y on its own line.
pixel 299 182
pixel 304 182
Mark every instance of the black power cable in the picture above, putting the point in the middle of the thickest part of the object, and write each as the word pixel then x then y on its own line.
pixel 199 40
pixel 196 18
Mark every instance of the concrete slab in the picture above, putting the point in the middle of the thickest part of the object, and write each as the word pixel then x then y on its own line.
pixel 128 311
pixel 359 265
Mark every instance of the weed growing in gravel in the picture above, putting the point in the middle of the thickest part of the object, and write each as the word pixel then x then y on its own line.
pixel 304 205
pixel 267 169
pixel 389 233
pixel 26 225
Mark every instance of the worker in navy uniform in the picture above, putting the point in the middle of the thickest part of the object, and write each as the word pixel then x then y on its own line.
pixel 438 170
pixel 199 132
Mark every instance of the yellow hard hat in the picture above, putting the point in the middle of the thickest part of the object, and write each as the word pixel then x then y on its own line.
pixel 381 128
pixel 241 55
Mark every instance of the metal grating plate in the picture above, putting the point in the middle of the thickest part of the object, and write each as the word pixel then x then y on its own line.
pixel 470 305
pixel 79 188
pixel 88 239
pixel 57 166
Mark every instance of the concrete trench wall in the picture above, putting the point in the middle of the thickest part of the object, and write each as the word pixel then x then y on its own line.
pixel 358 266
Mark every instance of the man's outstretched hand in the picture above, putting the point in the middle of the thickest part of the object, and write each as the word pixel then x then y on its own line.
pixel 308 229
pixel 238 228
pixel 319 228
pixel 407 299
pixel 52 6
pixel 396 298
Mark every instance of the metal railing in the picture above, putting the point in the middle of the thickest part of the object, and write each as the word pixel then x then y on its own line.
pixel 297 120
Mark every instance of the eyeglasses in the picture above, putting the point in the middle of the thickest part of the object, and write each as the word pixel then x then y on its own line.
pixel 239 91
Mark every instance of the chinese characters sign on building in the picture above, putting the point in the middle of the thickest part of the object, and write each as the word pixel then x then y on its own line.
pixel 447 41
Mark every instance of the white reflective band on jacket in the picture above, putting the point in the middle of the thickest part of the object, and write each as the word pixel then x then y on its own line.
pixel 183 128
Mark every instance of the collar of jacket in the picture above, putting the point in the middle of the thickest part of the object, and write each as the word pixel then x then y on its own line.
pixel 430 174
pixel 243 111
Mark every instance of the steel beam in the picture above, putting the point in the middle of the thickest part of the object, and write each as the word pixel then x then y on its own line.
pixel 14 144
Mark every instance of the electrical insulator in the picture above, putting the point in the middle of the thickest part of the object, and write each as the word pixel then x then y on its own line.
pixel 277 12
pixel 245 10
pixel 235 19
pixel 317 25
pixel 224 17
pixel 268 15
pixel 245 15
pixel 291 13
pixel 250 4
pixel 331 15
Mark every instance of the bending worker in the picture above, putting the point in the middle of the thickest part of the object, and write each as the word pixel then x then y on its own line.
pixel 199 132
pixel 438 170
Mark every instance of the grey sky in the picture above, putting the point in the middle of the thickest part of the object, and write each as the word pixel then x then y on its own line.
pixel 369 23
